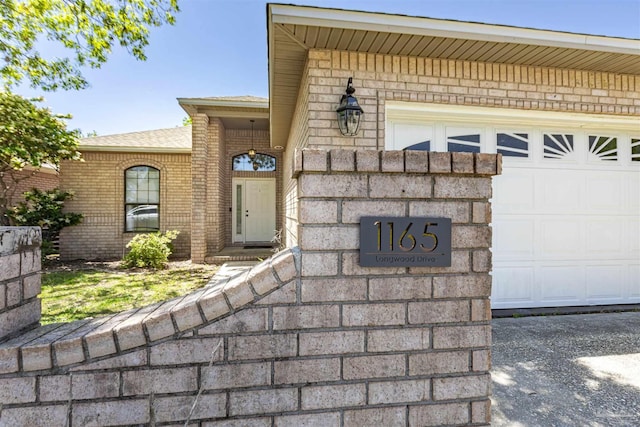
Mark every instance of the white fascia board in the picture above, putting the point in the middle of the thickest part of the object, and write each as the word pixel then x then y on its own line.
pixel 414 111
pixel 215 103
pixel 380 22
pixel 270 62
pixel 129 149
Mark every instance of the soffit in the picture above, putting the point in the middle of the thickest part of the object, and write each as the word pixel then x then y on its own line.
pixel 235 112
pixel 293 30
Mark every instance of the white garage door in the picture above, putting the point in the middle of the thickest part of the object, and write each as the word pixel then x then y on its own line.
pixel 566 209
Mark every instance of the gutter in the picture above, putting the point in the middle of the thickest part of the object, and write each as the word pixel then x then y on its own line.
pixel 402 24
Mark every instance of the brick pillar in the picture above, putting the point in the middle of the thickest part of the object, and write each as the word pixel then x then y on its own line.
pixel 215 170
pixel 19 279
pixel 428 328
pixel 199 157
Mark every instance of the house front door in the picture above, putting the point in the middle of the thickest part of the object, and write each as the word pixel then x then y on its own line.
pixel 254 210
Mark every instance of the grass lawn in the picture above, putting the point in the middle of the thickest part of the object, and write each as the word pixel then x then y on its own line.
pixel 89 289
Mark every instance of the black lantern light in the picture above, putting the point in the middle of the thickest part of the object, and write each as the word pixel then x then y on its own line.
pixel 252 151
pixel 349 112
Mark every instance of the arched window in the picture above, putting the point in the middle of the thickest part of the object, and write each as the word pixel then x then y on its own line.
pixel 260 163
pixel 142 199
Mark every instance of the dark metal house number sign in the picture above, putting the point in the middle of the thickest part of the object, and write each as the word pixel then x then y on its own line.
pixel 405 242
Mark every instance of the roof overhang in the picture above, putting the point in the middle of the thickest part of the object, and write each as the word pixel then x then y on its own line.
pixel 294 30
pixel 221 103
pixel 235 112
pixel 134 149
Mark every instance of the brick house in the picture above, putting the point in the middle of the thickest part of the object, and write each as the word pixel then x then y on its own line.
pixel 563 110
pixel 44 178
pixel 156 191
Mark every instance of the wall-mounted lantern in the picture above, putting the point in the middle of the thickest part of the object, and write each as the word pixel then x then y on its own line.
pixel 349 112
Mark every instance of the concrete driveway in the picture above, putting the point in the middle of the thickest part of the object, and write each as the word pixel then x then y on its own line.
pixel 574 370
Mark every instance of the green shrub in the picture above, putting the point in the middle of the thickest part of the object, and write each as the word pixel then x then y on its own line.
pixel 150 250
pixel 44 208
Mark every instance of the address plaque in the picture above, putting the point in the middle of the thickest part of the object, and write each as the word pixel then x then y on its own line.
pixel 405 242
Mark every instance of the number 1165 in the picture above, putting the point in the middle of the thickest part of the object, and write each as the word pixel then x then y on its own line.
pixel 406 241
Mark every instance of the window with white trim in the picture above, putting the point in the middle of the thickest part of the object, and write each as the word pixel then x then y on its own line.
pixel 142 199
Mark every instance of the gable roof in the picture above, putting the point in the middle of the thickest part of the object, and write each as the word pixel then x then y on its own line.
pixel 293 30
pixel 171 140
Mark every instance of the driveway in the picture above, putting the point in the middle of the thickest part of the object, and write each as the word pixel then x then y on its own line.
pixel 575 370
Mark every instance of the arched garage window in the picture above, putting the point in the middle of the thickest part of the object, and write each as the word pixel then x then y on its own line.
pixel 142 198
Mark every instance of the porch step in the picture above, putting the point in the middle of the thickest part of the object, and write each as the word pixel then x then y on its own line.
pixel 239 253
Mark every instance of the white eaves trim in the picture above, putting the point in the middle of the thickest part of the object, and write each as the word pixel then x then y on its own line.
pixel 203 102
pixel 132 149
pixel 380 22
pixel 414 111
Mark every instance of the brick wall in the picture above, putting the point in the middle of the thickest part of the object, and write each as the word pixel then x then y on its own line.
pixel 19 279
pixel 98 184
pixel 199 185
pixel 298 137
pixel 43 179
pixel 308 337
pixel 420 336
pixel 381 78
pixel 217 141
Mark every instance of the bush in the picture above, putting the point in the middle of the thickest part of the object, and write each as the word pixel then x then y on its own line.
pixel 45 209
pixel 150 250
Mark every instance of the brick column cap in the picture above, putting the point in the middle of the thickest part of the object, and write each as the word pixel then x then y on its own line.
pixel 415 162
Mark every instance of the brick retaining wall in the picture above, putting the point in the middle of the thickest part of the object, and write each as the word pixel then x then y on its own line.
pixel 19 279
pixel 307 337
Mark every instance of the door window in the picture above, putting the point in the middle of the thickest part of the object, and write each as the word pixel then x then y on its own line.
pixel 260 163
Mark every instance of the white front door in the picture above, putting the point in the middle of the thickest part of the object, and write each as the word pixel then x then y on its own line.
pixel 254 209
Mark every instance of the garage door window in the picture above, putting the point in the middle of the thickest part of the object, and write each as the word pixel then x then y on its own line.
pixel 558 146
pixel 603 148
pixel 513 144
pixel 463 140
pixel 635 149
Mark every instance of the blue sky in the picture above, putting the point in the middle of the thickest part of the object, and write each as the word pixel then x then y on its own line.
pixel 219 48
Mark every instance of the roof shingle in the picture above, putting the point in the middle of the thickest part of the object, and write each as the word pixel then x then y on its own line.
pixel 172 139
